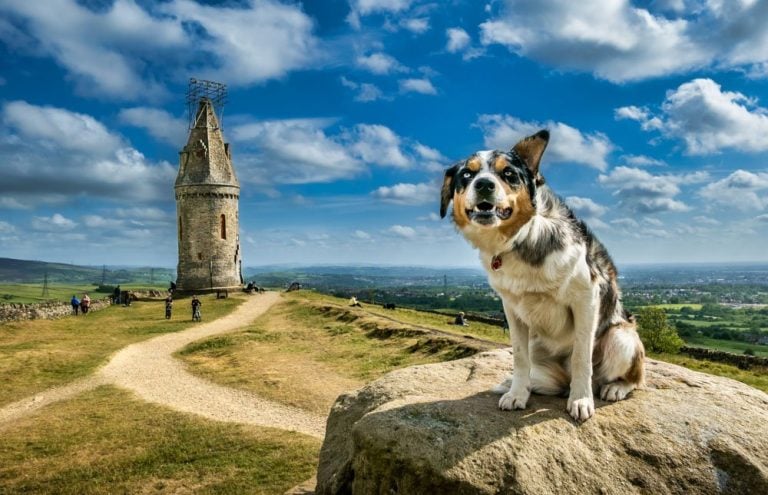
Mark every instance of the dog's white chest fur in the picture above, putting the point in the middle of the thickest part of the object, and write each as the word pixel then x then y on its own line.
pixel 542 296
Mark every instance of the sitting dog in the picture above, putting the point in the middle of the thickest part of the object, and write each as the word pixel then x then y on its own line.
pixel 557 282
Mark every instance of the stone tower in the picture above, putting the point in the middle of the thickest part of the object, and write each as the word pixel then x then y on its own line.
pixel 207 199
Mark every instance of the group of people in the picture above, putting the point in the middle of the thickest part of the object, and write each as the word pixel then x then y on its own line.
pixel 80 305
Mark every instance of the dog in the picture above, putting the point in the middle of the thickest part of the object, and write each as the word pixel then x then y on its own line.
pixel 558 285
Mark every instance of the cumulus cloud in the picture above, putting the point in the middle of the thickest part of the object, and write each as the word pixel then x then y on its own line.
pixel 302 151
pixel 644 193
pixel 361 234
pixel 365 92
pixel 423 86
pixel 6 228
pixel 630 40
pixel 377 144
pixel 361 8
pixel 585 207
pixel 380 63
pixel 158 123
pixel 416 25
pixel 458 39
pixel 643 161
pixel 52 154
pixel 115 50
pixel 747 191
pixel 407 194
pixel 567 144
pixel 707 119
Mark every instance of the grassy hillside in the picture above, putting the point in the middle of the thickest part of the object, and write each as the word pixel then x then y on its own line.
pixel 39 354
pixel 33 272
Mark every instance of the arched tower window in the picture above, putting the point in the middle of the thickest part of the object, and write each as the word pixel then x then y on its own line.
pixel 180 231
pixel 223 226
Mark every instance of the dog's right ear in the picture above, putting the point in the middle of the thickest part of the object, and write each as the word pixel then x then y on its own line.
pixel 448 188
pixel 530 150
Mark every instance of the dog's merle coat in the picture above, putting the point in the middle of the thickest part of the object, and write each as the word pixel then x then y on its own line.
pixel 556 280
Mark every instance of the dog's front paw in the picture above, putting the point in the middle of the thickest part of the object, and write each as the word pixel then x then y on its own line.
pixel 514 400
pixel 616 391
pixel 581 409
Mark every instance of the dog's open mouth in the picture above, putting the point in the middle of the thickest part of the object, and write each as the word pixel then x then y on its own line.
pixel 484 212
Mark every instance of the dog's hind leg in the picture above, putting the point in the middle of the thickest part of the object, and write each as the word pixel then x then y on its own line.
pixel 619 362
pixel 549 378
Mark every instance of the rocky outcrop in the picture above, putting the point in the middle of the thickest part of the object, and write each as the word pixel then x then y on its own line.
pixel 436 429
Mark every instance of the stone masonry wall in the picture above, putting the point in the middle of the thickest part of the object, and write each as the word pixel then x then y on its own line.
pixel 44 311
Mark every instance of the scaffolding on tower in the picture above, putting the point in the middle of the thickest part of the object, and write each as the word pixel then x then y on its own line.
pixel 200 89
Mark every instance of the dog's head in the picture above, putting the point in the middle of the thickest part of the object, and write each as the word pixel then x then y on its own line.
pixel 495 189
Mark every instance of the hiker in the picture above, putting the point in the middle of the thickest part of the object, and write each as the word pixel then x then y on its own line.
pixel 116 295
pixel 460 320
pixel 196 308
pixel 168 307
pixel 85 304
pixel 75 302
pixel 355 302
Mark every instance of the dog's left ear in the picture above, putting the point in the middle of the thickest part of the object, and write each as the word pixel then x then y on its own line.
pixel 531 149
pixel 448 188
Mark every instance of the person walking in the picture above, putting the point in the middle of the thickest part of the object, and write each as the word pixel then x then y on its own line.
pixel 169 307
pixel 196 309
pixel 85 304
pixel 75 302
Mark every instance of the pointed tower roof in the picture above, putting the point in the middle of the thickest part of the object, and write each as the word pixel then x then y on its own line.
pixel 206 157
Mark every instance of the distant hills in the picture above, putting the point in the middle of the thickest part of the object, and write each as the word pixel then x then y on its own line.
pixel 26 271
pixel 322 276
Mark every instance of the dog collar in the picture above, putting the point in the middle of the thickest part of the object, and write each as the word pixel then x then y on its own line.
pixel 496 262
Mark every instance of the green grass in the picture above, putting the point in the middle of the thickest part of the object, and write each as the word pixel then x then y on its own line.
pixel 732 346
pixel 298 355
pixel 33 293
pixel 106 442
pixel 677 307
pixel 757 377
pixel 39 354
pixel 439 322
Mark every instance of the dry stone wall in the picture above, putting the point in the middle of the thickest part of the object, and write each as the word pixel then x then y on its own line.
pixel 44 311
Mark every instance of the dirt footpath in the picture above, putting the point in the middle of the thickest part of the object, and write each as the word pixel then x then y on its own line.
pixel 149 370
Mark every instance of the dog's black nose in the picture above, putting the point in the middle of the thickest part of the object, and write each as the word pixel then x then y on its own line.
pixel 484 186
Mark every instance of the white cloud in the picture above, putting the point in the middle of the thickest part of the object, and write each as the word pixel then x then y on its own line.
pixel 625 40
pixel 762 218
pixel 301 151
pixel 292 151
pixel 377 144
pixel 119 49
pixel 416 25
pixel 644 193
pixel 458 39
pixel 408 194
pixel 365 91
pixel 643 161
pixel 56 128
pixel 360 8
pixel 566 144
pixel 744 190
pixel 361 234
pixel 423 86
pixel 708 119
pixel 52 155
pixel 100 222
pixel 158 123
pixel 585 207
pixel 379 63
pixel 55 223
pixel 402 231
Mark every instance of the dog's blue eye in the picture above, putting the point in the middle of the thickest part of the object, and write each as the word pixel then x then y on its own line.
pixel 507 173
pixel 467 175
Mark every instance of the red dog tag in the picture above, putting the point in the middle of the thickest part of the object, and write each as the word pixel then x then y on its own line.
pixel 496 262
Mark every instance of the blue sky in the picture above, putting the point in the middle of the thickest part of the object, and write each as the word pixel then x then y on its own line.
pixel 343 114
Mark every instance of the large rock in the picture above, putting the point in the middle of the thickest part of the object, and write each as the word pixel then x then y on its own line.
pixel 435 429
